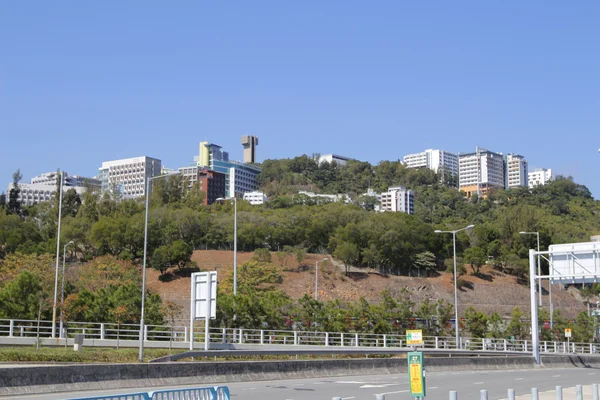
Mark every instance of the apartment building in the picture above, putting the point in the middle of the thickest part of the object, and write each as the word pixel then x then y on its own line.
pixel 480 172
pixel 213 185
pixel 516 172
pixel 539 176
pixel 398 199
pixel 255 198
pixel 128 175
pixel 434 159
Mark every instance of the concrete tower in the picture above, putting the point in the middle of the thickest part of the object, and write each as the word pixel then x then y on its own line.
pixel 249 143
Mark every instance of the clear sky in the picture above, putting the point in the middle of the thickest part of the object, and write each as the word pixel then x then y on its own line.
pixel 83 82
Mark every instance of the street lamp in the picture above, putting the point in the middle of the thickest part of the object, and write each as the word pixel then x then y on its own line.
pixel 62 291
pixel 141 338
pixel 538 264
pixel 234 240
pixel 317 278
pixel 455 290
pixel 62 178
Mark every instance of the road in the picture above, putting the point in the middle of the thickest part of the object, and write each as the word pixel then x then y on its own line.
pixel 467 384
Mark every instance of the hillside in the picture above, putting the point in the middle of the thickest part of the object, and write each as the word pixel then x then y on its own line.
pixel 496 291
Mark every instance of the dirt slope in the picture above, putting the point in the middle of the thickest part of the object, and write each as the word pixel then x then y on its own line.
pixel 497 292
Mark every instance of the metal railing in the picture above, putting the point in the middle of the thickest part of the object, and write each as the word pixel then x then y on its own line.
pixel 201 393
pixel 272 338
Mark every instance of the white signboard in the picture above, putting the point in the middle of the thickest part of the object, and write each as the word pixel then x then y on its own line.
pixel 574 262
pixel 200 287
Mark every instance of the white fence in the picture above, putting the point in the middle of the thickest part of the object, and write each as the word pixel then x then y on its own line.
pixel 274 338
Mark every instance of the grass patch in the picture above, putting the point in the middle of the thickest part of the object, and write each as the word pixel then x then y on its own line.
pixel 86 355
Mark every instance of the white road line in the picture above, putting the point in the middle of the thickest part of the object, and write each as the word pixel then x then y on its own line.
pixel 299 384
pixel 378 386
pixel 478 383
pixel 591 373
pixel 556 376
pixel 383 394
pixel 320 383
pixel 434 387
pixel 347 398
pixel 519 379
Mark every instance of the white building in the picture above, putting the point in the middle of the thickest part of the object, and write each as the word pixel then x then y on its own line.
pixel 43 187
pixel 480 172
pixel 516 171
pixel 330 158
pixel 398 199
pixel 129 175
pixel 435 160
pixel 539 176
pixel 255 198
pixel 330 197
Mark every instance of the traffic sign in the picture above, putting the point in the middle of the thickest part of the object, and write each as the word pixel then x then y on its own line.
pixel 567 332
pixel 416 374
pixel 414 337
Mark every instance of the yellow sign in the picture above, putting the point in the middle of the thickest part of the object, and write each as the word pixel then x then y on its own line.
pixel 567 332
pixel 416 375
pixel 414 337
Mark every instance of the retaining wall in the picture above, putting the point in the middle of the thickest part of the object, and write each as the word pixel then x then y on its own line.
pixel 62 378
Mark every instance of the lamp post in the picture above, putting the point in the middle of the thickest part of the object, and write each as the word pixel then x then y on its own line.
pixel 62 177
pixel 538 265
pixel 317 278
pixel 234 240
pixel 147 193
pixel 62 291
pixel 455 289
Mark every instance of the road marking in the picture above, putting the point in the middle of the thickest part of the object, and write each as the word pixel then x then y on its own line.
pixel 378 386
pixel 434 387
pixel 347 398
pixel 519 379
pixel 556 376
pixel 478 383
pixel 383 394
pixel 300 384
pixel 350 382
pixel 591 373
pixel 316 383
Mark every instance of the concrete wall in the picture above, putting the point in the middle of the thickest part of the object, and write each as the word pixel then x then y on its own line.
pixel 43 379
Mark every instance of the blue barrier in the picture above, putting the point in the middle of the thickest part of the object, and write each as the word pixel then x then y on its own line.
pixel 201 393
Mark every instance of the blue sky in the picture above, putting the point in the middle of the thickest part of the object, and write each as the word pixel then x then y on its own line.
pixel 86 82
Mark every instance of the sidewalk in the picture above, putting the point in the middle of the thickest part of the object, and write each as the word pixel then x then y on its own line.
pixel 568 394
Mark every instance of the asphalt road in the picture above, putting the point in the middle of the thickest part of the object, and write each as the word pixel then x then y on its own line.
pixel 467 384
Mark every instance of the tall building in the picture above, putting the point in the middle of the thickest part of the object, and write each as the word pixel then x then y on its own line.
pixel 239 177
pixel 480 172
pixel 398 199
pixel 434 160
pixel 43 187
pixel 515 171
pixel 539 176
pixel 249 143
pixel 330 158
pixel 128 175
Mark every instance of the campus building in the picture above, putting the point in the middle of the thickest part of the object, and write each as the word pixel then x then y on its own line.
pixel 330 158
pixel 480 172
pixel 255 198
pixel 128 176
pixel 435 160
pixel 398 199
pixel 539 176
pixel 516 171
pixel 44 187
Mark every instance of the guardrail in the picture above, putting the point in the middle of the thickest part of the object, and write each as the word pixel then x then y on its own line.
pixel 158 334
pixel 201 393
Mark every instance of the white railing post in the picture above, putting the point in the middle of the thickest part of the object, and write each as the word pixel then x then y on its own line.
pixel 326 338
pixel 555 348
pixel 483 344
pixel 574 348
pixel 102 331
pixel 504 340
pixel 241 336
pixel 591 348
pixel 22 331
pixel 437 342
pixel 525 349
pixel 342 339
pixel 295 338
pixel 224 335
pixel 11 327
pixel 384 340
pixel 186 334
pixel 545 347
pixel 262 337
pixel 356 339
pixel 145 332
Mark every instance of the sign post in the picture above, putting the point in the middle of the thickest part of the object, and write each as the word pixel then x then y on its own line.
pixel 568 336
pixel 416 374
pixel 414 337
pixel 203 303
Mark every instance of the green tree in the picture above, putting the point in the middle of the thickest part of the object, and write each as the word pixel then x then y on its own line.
pixel 516 327
pixel 180 253
pixel 348 253
pixel 161 259
pixel 477 322
pixel 22 298
pixel 475 256
pixel 424 262
pixel 14 207
pixel 262 255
